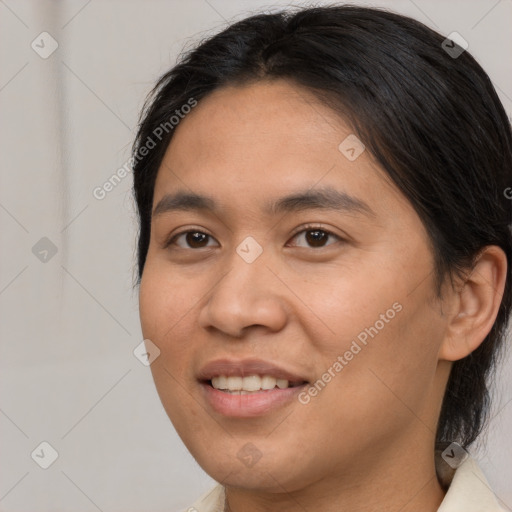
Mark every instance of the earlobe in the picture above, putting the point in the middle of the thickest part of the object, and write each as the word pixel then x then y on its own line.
pixel 475 305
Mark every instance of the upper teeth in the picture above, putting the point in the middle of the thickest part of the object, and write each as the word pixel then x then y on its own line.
pixel 250 383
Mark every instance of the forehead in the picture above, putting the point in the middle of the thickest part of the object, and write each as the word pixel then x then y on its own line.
pixel 250 116
pixel 267 139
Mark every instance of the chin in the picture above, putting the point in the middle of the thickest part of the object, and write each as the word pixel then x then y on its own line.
pixel 239 463
pixel 261 477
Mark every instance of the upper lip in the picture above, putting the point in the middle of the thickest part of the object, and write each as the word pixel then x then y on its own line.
pixel 246 367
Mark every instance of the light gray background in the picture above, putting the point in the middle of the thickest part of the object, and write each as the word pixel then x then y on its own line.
pixel 69 326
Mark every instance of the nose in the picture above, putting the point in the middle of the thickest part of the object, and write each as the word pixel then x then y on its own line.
pixel 247 295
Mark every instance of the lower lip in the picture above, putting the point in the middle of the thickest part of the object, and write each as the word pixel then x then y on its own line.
pixel 250 405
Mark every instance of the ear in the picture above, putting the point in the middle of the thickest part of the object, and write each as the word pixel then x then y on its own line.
pixel 475 305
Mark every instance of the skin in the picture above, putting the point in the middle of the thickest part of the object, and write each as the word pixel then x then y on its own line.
pixel 366 441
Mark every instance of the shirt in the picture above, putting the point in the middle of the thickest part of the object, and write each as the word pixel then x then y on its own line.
pixel 468 491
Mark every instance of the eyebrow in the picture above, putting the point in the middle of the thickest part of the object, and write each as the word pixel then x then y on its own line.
pixel 326 198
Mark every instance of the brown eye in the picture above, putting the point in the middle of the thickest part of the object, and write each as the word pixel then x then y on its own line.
pixel 315 237
pixel 192 240
pixel 196 238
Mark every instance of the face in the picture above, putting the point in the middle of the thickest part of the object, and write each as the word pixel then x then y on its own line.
pixel 330 295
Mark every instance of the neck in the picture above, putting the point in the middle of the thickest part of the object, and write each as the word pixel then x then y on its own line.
pixel 401 480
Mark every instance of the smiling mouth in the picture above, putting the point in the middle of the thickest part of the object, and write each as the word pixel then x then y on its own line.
pixel 250 384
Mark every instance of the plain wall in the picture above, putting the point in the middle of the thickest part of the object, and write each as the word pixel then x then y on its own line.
pixel 69 325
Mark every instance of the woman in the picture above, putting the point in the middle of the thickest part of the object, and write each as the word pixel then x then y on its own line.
pixel 325 260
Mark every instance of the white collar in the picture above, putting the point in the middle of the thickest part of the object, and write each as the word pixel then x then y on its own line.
pixel 469 491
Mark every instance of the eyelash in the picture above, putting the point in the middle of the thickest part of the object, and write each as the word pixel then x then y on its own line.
pixel 303 229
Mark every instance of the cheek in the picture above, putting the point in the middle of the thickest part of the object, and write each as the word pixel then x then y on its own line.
pixel 167 307
pixel 390 377
pixel 381 345
pixel 163 300
pixel 345 301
